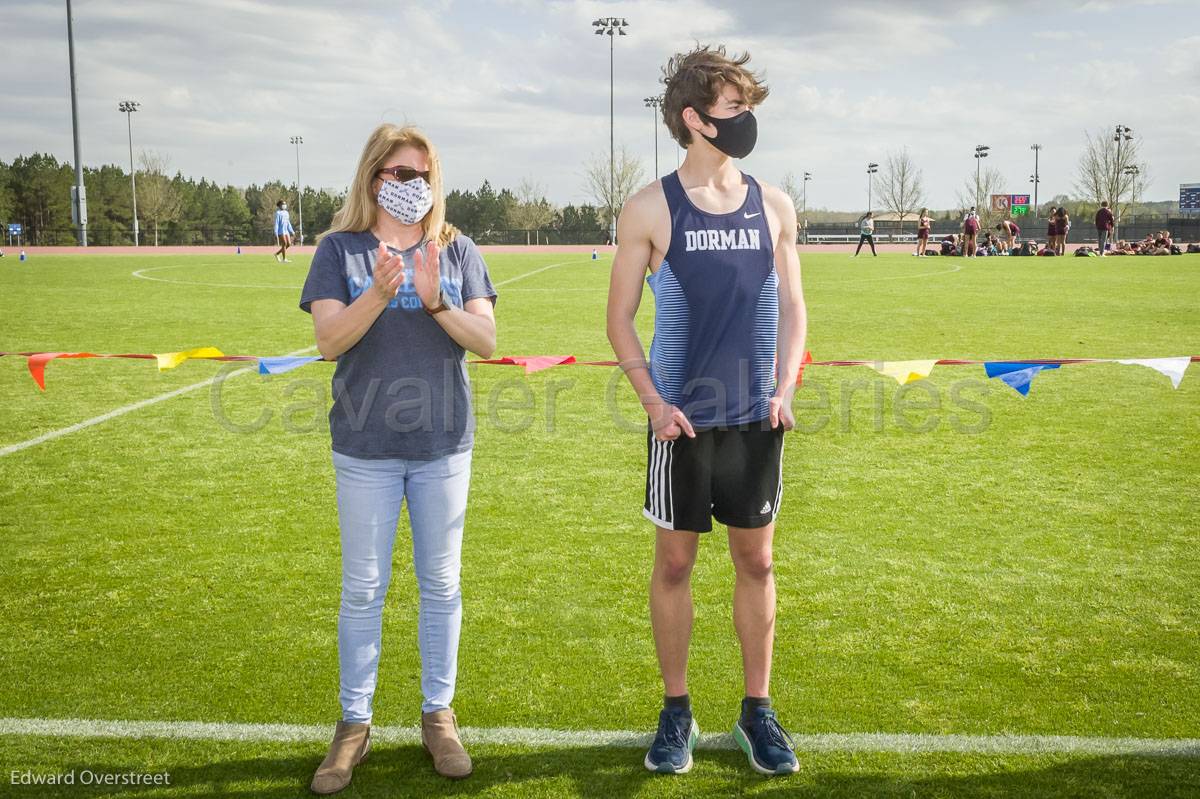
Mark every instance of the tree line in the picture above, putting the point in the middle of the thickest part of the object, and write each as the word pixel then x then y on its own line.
pixel 35 192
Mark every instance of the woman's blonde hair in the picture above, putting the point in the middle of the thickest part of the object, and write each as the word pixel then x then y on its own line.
pixel 358 211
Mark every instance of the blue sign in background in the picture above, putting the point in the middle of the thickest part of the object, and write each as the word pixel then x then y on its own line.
pixel 14 229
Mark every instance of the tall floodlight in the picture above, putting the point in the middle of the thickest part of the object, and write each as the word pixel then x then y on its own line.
pixel 1122 133
pixel 872 168
pixel 298 140
pixel 611 27
pixel 981 152
pixel 78 192
pixel 1132 171
pixel 128 107
pixel 804 204
pixel 655 103
pixel 1035 178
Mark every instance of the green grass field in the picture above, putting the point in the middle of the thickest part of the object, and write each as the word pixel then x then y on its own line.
pixel 992 565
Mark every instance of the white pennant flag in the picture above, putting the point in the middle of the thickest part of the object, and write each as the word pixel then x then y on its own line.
pixel 1171 367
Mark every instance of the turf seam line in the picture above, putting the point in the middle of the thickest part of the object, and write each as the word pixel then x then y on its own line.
pixel 1185 748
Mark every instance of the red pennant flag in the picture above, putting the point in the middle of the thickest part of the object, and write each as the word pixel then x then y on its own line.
pixel 37 363
pixel 807 359
pixel 532 363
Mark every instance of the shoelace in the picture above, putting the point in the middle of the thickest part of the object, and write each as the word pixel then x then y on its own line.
pixel 770 729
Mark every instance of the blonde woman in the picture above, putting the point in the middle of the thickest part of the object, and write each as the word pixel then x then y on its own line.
pixel 397 297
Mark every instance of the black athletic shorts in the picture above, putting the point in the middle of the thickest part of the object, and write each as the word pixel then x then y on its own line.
pixel 732 474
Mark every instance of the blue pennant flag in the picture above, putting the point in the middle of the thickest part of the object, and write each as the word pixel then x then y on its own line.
pixel 1017 375
pixel 283 363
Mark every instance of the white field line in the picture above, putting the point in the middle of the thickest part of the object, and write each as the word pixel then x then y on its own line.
pixel 124 409
pixel 957 267
pixel 104 417
pixel 144 275
pixel 539 270
pixel 610 739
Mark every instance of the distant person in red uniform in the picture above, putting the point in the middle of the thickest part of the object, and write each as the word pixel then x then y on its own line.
pixel 1011 234
pixel 923 223
pixel 970 231
pixel 1104 225
pixel 1062 225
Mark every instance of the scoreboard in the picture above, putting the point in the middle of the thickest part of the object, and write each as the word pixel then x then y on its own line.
pixel 1189 198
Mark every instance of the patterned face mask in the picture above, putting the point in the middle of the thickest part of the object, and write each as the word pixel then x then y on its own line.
pixel 408 201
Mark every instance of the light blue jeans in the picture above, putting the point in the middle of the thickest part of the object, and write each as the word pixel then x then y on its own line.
pixel 370 494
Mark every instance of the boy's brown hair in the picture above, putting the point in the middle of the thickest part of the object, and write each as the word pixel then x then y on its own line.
pixel 695 80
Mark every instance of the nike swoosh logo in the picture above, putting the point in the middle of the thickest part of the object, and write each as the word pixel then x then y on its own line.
pixel 751 216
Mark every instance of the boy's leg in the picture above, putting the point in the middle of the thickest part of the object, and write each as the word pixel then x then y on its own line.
pixel 754 603
pixel 671 604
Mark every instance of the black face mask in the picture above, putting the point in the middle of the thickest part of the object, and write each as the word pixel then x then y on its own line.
pixel 735 135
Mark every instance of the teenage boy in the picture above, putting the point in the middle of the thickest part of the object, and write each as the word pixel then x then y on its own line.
pixel 729 333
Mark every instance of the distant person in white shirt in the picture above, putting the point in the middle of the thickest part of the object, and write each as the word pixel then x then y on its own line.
pixel 283 232
pixel 866 232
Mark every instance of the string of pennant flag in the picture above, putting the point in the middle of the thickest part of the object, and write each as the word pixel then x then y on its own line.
pixel 1018 374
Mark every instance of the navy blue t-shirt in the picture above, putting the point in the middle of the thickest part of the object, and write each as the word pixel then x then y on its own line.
pixel 402 391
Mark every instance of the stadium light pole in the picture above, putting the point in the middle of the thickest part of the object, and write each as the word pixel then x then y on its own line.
pixel 611 27
pixel 1035 179
pixel 128 107
pixel 1120 133
pixel 79 201
pixel 872 168
pixel 655 103
pixel 298 140
pixel 980 153
pixel 1133 171
pixel 804 204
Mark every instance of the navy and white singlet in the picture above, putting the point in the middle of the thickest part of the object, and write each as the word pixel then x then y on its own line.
pixel 716 311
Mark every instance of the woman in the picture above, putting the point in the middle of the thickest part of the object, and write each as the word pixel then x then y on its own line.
pixel 397 296
pixel 1061 227
pixel 866 233
pixel 283 232
pixel 970 231
pixel 923 223
pixel 1052 230
pixel 1011 234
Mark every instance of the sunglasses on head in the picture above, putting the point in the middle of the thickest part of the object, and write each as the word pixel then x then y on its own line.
pixel 404 173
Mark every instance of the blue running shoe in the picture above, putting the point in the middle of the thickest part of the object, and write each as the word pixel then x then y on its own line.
pixel 671 752
pixel 767 745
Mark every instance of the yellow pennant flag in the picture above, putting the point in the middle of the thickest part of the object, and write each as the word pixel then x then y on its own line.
pixel 904 371
pixel 169 360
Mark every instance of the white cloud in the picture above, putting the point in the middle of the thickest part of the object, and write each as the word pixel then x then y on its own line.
pixel 520 88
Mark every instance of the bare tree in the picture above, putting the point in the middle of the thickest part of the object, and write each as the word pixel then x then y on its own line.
pixel 796 192
pixel 790 186
pixel 901 187
pixel 980 196
pixel 158 199
pixel 531 211
pixel 1110 170
pixel 629 177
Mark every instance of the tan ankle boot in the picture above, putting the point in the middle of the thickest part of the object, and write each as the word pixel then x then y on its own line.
pixel 351 742
pixel 439 736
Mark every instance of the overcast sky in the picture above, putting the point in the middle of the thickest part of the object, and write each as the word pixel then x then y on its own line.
pixel 517 89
